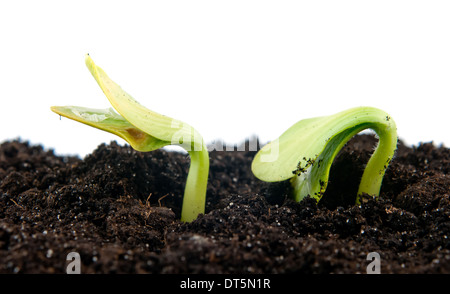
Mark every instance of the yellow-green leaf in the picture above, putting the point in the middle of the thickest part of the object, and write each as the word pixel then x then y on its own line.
pixel 108 120
pixel 157 125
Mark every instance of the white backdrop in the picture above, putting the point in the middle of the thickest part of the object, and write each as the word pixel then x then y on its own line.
pixel 231 68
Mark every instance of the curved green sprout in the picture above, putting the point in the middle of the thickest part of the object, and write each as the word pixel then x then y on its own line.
pixel 146 130
pixel 304 153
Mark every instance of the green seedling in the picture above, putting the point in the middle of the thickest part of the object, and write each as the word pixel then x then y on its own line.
pixel 304 153
pixel 146 130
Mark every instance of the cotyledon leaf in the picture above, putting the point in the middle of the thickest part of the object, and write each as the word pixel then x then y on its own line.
pixel 150 122
pixel 108 120
pixel 313 180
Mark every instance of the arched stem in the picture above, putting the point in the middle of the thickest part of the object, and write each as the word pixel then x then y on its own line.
pixel 376 167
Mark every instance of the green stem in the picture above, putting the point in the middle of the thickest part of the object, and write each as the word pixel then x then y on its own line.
pixel 307 183
pixel 195 192
pixel 378 162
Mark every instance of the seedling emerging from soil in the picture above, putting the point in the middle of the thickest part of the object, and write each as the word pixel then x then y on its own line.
pixel 304 153
pixel 146 130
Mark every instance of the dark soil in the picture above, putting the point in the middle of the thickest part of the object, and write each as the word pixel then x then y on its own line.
pixel 120 209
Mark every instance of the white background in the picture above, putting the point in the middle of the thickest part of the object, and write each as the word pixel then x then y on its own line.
pixel 231 69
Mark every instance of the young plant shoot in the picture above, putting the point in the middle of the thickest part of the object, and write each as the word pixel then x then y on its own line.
pixel 304 153
pixel 146 130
